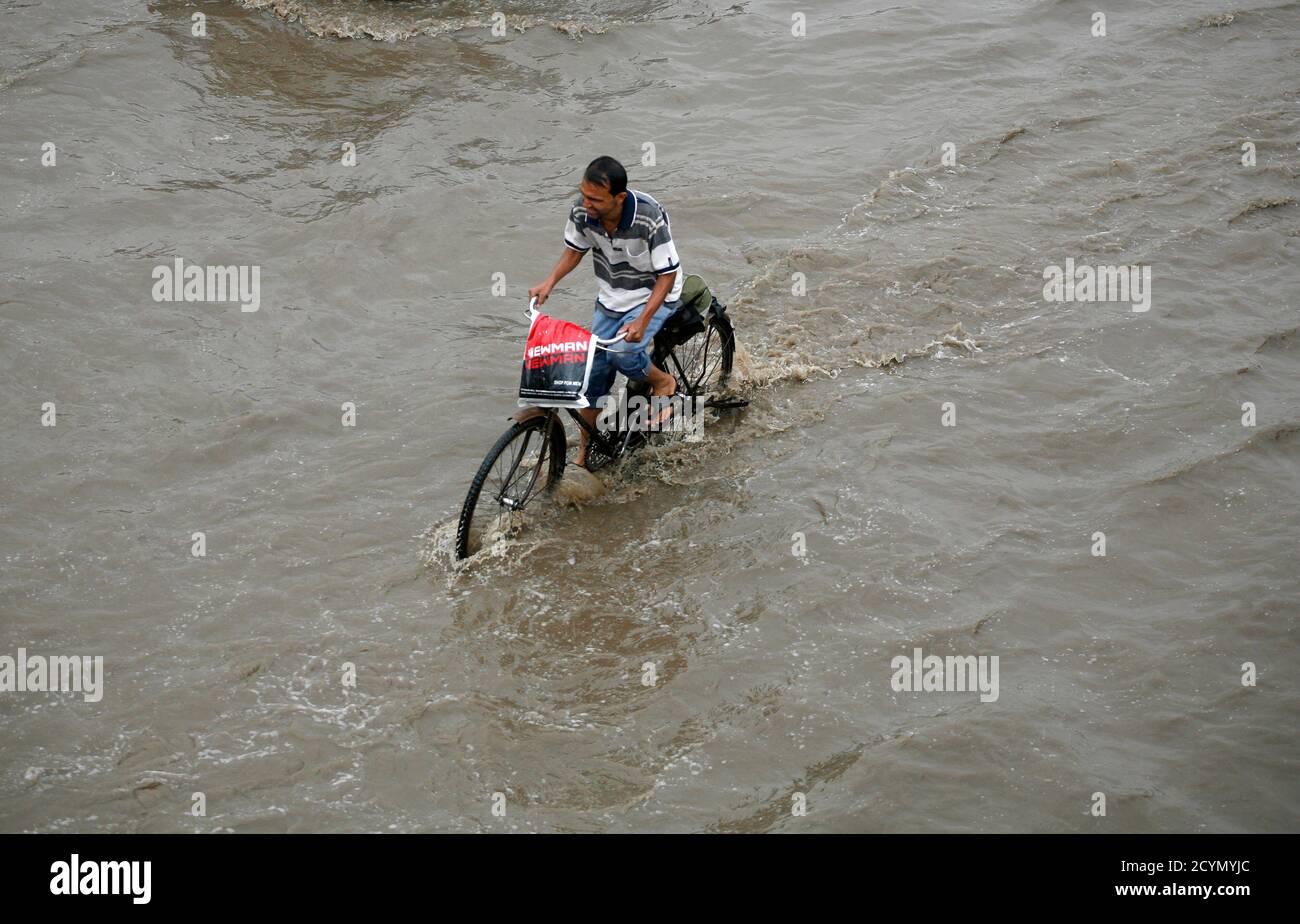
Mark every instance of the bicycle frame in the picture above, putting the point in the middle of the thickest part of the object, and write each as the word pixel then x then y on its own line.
pixel 613 448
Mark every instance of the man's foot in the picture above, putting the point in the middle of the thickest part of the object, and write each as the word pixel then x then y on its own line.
pixel 590 415
pixel 666 404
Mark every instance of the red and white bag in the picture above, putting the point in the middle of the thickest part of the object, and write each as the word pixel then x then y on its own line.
pixel 557 364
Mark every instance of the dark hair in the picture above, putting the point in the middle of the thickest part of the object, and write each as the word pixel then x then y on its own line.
pixel 607 172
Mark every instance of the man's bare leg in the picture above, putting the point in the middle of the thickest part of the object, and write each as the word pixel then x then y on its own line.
pixel 661 383
pixel 661 386
pixel 589 414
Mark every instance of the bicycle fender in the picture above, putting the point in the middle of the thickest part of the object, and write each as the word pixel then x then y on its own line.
pixel 527 413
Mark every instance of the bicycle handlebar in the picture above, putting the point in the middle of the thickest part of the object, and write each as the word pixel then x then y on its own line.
pixel 532 310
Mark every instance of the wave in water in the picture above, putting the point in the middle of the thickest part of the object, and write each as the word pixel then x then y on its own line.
pixel 391 21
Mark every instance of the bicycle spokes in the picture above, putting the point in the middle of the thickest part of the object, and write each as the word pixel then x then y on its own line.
pixel 515 472
pixel 699 362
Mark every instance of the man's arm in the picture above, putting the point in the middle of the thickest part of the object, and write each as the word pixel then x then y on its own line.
pixel 568 260
pixel 664 262
pixel 636 329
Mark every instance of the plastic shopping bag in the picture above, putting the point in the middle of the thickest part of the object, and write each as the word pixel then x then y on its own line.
pixel 557 363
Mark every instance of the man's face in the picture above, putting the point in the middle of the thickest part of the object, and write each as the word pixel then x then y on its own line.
pixel 600 205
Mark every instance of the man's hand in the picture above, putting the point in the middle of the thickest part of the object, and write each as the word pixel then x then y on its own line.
pixel 542 291
pixel 632 333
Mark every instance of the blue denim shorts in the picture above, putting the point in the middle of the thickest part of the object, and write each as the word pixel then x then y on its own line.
pixel 631 359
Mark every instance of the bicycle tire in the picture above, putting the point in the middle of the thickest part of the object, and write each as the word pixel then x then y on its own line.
pixel 551 453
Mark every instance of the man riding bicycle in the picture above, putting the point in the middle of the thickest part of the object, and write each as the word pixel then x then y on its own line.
pixel 638 278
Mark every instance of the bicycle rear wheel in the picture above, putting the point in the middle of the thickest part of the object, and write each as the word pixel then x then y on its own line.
pixel 527 460
pixel 702 365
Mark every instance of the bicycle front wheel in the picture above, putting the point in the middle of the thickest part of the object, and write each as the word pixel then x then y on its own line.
pixel 526 461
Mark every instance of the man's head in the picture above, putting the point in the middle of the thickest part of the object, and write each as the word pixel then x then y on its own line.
pixel 603 188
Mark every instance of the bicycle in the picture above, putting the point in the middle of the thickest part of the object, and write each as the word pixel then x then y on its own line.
pixel 696 347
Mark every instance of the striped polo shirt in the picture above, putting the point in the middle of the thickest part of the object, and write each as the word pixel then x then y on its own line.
pixel 627 261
